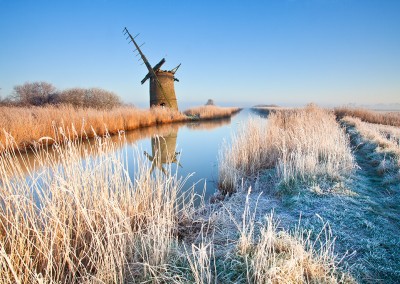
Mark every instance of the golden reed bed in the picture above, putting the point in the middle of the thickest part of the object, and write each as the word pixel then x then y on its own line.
pixel 211 112
pixel 28 125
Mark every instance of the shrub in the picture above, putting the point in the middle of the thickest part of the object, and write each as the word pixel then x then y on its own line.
pixel 36 93
pixel 93 97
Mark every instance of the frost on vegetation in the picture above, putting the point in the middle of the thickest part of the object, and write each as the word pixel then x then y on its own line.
pixel 384 141
pixel 83 218
pixel 386 137
pixel 76 215
pixel 302 145
pixel 270 254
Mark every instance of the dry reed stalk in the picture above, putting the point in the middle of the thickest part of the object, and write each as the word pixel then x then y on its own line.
pixel 211 112
pixel 82 218
pixel 300 144
pixel 389 118
pixel 200 261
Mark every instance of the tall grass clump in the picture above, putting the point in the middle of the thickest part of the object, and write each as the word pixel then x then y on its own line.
pixel 279 256
pixel 300 144
pixel 265 252
pixel 388 118
pixel 77 216
pixel 211 112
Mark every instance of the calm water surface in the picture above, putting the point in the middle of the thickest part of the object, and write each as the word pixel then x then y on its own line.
pixel 192 147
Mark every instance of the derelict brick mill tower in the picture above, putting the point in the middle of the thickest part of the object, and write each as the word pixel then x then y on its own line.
pixel 162 90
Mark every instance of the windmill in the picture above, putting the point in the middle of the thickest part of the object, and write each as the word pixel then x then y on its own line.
pixel 162 90
pixel 163 151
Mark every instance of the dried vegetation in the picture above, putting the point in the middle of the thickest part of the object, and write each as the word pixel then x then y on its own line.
pixel 79 216
pixel 27 125
pixel 387 118
pixel 211 112
pixel 300 144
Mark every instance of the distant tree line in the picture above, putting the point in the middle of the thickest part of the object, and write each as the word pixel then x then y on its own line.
pixel 43 93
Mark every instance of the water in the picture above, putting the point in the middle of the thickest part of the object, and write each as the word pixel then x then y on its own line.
pixel 191 147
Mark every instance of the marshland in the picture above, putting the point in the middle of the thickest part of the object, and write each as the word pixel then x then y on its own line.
pixel 201 142
pixel 270 199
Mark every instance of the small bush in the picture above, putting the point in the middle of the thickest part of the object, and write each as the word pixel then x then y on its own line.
pixel 36 93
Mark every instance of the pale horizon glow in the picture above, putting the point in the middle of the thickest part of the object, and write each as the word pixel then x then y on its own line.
pixel 285 52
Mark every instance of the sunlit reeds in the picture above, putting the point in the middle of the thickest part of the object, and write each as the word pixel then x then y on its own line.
pixel 82 218
pixel 28 124
pixel 387 118
pixel 302 144
pixel 211 112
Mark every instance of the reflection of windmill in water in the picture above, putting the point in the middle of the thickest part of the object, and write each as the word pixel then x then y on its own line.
pixel 162 90
pixel 163 150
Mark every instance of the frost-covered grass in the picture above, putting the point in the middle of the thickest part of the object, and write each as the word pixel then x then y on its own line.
pixel 385 142
pixel 385 136
pixel 368 203
pixel 76 214
pixel 259 250
pixel 388 118
pixel 301 145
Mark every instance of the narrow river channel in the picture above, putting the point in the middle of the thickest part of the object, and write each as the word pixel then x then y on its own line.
pixel 189 148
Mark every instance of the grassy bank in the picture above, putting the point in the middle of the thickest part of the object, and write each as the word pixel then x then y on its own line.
pixel 388 118
pixel 28 125
pixel 291 148
pixel 299 144
pixel 299 163
pixel 384 141
pixel 386 137
pixel 297 148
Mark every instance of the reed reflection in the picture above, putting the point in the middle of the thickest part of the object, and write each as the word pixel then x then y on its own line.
pixel 32 160
pixel 208 124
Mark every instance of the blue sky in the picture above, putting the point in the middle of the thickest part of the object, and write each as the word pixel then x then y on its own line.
pixel 286 52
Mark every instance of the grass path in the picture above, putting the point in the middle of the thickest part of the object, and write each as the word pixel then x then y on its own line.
pixel 377 212
pixel 365 221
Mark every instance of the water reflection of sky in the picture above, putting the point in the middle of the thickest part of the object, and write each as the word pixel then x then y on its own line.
pixel 197 143
pixel 195 146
